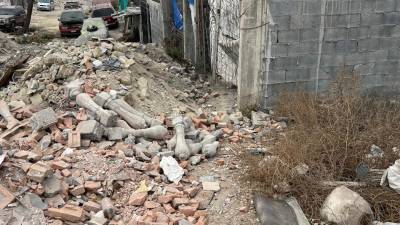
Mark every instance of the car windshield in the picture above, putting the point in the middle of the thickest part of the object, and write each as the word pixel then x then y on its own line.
pixel 72 16
pixel 8 11
pixel 44 1
pixel 102 12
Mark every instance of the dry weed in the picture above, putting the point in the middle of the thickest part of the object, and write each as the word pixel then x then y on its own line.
pixel 332 134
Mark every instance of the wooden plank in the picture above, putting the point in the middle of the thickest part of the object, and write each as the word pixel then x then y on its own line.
pixel 11 67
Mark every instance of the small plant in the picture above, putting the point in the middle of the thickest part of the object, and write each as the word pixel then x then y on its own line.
pixel 332 135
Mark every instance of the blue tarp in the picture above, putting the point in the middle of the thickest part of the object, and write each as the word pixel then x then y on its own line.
pixel 178 18
pixel 191 2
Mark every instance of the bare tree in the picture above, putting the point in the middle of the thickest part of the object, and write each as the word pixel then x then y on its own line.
pixel 28 16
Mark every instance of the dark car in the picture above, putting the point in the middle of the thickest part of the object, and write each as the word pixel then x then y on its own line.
pixel 106 12
pixel 71 22
pixel 11 16
pixel 72 5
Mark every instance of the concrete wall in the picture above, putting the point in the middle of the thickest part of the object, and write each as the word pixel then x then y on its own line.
pixel 310 41
pixel 228 38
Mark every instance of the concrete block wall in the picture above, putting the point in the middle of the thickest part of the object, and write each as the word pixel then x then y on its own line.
pixel 228 48
pixel 310 41
pixel 156 21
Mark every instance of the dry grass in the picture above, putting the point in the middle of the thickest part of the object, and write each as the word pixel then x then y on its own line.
pixel 332 135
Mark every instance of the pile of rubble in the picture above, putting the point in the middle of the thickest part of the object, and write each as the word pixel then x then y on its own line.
pixel 74 149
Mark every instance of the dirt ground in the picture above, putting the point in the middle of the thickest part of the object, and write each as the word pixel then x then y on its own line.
pixel 46 20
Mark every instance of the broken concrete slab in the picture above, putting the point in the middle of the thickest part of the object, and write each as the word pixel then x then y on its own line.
pixel 43 119
pixel 90 130
pixel 171 169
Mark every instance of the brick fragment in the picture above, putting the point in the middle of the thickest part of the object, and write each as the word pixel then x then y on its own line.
pixel 59 165
pixel 91 206
pixel 39 171
pixel 137 199
pixel 74 139
pixel 187 210
pixel 92 185
pixel 67 213
pixel 179 201
pixel 6 197
pixel 78 190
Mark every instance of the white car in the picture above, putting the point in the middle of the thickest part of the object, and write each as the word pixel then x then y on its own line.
pixel 45 5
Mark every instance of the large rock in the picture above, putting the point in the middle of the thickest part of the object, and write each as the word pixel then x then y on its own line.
pixel 345 207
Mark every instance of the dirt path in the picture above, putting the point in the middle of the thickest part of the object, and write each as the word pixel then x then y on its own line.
pixel 46 20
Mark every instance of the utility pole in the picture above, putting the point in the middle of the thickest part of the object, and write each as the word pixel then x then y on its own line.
pixel 28 16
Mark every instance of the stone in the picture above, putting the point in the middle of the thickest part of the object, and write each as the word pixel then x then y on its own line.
pixel 92 185
pixel 52 186
pixel 165 154
pixel 204 198
pixel 90 130
pixel 78 190
pixel 137 199
pixel 163 199
pixel 143 87
pixel 6 197
pixel 34 157
pixel 192 192
pixel 171 169
pixel 211 186
pixel 66 173
pixel 344 206
pixel 98 219
pixel 67 213
pixel 35 201
pixel 43 119
pixel 168 208
pixel 21 154
pixel 151 204
pixel 91 206
pixel 45 142
pixel 39 171
pixel 108 208
pixel 184 222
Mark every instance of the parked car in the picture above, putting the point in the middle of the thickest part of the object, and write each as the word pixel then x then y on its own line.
pixel 72 5
pixel 106 12
pixel 46 5
pixel 11 16
pixel 70 22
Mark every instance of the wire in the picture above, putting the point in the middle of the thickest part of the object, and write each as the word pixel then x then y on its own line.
pixel 259 26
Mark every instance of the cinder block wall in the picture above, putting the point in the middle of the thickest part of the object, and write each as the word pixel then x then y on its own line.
pixel 309 42
pixel 156 20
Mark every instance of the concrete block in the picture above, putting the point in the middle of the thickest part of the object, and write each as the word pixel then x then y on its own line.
pixel 368 19
pixel 355 58
pixel 364 69
pixel 355 6
pixel 312 7
pixel 283 63
pixel 382 31
pixel 329 46
pixel 302 74
pixel 391 18
pixel 303 48
pixel 335 34
pixel 387 67
pixel 377 56
pixel 284 7
pixel 281 22
pixel 273 36
pixel 368 5
pixel 358 33
pixel 393 53
pixel 337 7
pixel 368 45
pixel 349 20
pixel 276 76
pixel 305 21
pixel 90 130
pixel 385 6
pixel 332 60
pixel 279 50
pixel 309 34
pixel 389 43
pixel 288 36
pixel 346 46
pixel 43 119
pixel 307 61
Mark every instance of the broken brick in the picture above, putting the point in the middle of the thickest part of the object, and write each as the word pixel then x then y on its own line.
pixel 39 171
pixel 68 212
pixel 137 199
pixel 21 154
pixel 211 186
pixel 66 172
pixel 78 190
pixel 187 210
pixel 59 165
pixel 151 205
pixel 92 185
pixel 6 197
pixel 192 192
pixel 168 208
pixel 74 139
pixel 91 206
pixel 165 198
pixel 179 201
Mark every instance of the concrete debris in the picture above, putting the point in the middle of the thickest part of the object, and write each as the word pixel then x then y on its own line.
pixel 344 206
pixel 6 197
pixel 171 169
pixel 43 119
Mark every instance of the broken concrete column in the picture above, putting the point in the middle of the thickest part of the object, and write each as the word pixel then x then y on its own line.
pixel 104 99
pixel 210 150
pixel 43 119
pixel 156 132
pixel 6 114
pixel 108 208
pixel 105 117
pixel 73 88
pixel 182 150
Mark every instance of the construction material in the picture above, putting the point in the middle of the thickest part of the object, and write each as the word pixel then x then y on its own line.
pixel 6 114
pixel 105 117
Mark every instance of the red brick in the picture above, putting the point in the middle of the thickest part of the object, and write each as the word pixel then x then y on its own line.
pixel 151 204
pixel 187 210
pixel 202 221
pixel 39 171
pixel 6 197
pixel 168 208
pixel 165 198
pixel 200 213
pixel 220 162
pixel 92 185
pixel 162 218
pixel 78 190
pixel 68 122
pixel 74 139
pixel 60 165
pixel 179 201
pixel 137 199
pixel 91 206
pixel 68 212
pixel 192 192
pixel 21 155
pixel 66 173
